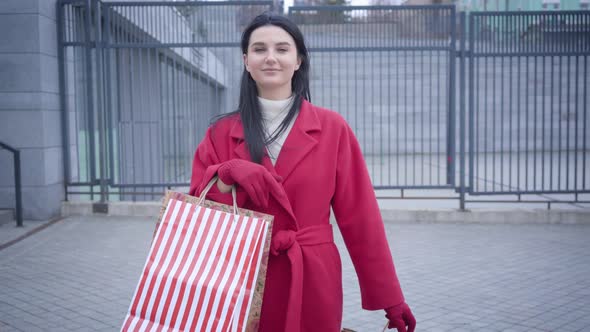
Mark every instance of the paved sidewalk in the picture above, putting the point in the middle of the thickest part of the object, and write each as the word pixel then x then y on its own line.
pixel 79 274
pixel 10 233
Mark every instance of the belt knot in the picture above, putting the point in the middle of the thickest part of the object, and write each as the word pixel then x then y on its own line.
pixel 282 241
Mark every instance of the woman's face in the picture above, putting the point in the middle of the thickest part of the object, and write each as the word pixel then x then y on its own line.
pixel 271 60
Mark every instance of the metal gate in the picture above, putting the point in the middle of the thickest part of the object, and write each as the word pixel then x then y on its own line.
pixel 140 83
pixel 437 99
pixel 528 104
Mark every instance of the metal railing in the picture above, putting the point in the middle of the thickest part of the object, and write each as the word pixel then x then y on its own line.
pixel 149 76
pixel 17 183
pixel 528 103
pixel 438 99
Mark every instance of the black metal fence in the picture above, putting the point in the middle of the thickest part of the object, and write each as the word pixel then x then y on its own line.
pixel 437 99
pixel 18 205
pixel 140 82
pixel 528 102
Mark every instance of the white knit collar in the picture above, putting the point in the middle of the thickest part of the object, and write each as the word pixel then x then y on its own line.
pixel 274 109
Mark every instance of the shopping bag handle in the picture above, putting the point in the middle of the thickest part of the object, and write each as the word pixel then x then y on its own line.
pixel 210 185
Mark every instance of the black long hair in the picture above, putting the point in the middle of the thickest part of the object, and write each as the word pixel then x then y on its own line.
pixel 249 108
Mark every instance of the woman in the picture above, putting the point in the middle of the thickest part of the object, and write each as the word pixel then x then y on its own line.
pixel 294 160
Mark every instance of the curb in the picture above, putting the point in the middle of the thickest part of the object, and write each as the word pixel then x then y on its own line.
pixel 129 209
pixel 30 232
pixel 512 216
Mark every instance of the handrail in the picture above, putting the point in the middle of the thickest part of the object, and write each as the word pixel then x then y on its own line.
pixel 17 183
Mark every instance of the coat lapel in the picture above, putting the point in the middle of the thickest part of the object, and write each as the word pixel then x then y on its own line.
pixel 299 142
pixel 241 149
pixel 237 133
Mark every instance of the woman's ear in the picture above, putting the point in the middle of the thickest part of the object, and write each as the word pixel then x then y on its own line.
pixel 245 56
pixel 298 63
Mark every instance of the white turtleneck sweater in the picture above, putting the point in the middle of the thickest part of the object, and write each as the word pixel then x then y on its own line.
pixel 273 113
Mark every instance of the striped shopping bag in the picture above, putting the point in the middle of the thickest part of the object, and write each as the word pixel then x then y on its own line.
pixel 205 270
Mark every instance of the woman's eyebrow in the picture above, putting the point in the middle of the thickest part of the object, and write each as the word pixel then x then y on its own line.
pixel 277 44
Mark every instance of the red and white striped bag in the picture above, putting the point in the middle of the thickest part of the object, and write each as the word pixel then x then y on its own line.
pixel 205 270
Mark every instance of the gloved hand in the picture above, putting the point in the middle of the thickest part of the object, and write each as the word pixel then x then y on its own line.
pixel 401 316
pixel 253 178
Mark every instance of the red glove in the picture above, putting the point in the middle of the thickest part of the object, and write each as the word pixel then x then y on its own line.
pixel 401 316
pixel 253 178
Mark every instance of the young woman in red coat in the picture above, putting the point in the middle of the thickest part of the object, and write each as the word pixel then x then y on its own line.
pixel 294 160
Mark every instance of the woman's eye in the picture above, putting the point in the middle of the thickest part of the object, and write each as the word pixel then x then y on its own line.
pixel 258 50
pixel 283 50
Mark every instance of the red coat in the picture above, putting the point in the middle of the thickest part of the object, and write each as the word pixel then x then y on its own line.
pixel 322 166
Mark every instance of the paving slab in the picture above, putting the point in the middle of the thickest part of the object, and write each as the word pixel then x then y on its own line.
pixel 79 274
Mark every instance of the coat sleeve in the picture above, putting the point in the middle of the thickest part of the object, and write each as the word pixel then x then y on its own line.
pixel 359 219
pixel 205 164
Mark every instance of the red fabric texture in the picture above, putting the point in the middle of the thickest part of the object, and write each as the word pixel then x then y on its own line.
pixel 322 166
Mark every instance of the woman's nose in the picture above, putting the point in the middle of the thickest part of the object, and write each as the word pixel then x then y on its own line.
pixel 270 57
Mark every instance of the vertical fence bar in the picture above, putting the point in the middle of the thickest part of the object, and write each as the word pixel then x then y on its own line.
pixel 439 109
pixel 161 74
pixel 102 146
pixel 89 92
pixel 514 30
pixel 422 111
pixel 496 96
pixel 558 108
pixel 90 135
pixel 472 104
pixel 502 106
pixel 182 101
pixel 567 124
pixel 585 130
pixel 433 157
pixel 451 113
pixel 389 110
pixel 65 128
pixel 576 110
pixel 109 91
pixel 415 35
pixel 405 115
pixel 529 49
pixel 143 102
pixel 384 152
pixel 17 189
pixel 133 72
pixel 119 74
pixel 372 123
pixel 166 120
pixel 523 19
pixel 543 122
pixel 486 48
pixel 462 84
pixel 397 128
pixel 174 125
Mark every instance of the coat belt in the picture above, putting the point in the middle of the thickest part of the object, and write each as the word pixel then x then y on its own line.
pixel 290 242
